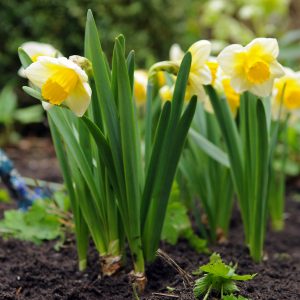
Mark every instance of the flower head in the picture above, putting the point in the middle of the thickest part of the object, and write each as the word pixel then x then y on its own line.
pixel 287 90
pixel 61 82
pixel 35 49
pixel 253 67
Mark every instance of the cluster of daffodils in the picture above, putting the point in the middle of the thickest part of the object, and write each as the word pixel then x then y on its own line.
pixel 235 70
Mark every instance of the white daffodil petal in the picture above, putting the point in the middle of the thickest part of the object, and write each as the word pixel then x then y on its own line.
pixel 262 90
pixel 205 76
pixel 79 100
pixel 239 84
pixel 46 105
pixel 269 45
pixel 176 54
pixel 226 58
pixel 200 52
pixel 38 73
pixel 276 69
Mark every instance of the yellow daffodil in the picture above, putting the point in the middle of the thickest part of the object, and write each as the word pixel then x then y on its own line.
pixel 199 73
pixel 35 49
pixel 287 87
pixel 140 86
pixel 61 82
pixel 252 68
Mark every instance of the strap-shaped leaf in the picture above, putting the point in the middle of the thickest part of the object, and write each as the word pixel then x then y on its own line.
pixel 153 164
pixel 163 183
pixel 209 148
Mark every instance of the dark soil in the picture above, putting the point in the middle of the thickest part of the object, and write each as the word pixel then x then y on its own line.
pixel 35 272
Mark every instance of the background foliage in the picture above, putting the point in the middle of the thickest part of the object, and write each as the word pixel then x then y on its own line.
pixel 150 26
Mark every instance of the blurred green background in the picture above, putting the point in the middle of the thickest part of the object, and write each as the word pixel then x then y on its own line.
pixel 150 26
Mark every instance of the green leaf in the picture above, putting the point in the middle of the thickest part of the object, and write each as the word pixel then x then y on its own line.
pixel 209 148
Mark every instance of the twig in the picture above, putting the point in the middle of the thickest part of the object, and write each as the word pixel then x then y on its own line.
pixel 165 295
pixel 187 278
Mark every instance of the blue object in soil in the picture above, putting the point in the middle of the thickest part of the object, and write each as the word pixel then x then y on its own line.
pixel 17 186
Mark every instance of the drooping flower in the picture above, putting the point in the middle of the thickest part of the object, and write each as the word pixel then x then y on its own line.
pixel 199 72
pixel 253 67
pixel 35 49
pixel 287 90
pixel 61 82
pixel 140 86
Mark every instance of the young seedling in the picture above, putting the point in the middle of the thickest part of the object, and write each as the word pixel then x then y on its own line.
pixel 219 278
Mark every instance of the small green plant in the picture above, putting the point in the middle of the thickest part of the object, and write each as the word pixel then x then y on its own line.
pixel 178 225
pixel 218 277
pixel 43 221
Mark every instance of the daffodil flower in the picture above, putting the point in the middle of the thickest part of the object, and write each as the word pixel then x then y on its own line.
pixel 287 90
pixel 200 73
pixel 140 86
pixel 61 82
pixel 35 49
pixel 252 68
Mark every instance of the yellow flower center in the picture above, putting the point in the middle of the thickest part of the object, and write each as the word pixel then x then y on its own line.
pixel 213 67
pixel 59 86
pixel 291 96
pixel 258 72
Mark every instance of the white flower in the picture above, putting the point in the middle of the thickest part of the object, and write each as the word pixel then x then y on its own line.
pixel 61 82
pixel 253 67
pixel 35 49
pixel 200 73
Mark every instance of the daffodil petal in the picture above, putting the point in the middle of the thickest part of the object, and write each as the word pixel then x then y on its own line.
pixel 176 54
pixel 200 52
pixel 262 90
pixel 79 100
pixel 46 105
pixel 226 58
pixel 41 49
pixel 269 45
pixel 276 69
pixel 239 84
pixel 38 73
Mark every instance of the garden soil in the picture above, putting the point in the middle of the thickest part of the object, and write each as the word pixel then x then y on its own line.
pixel 35 272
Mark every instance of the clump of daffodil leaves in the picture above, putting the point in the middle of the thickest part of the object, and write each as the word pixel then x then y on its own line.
pixel 218 278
